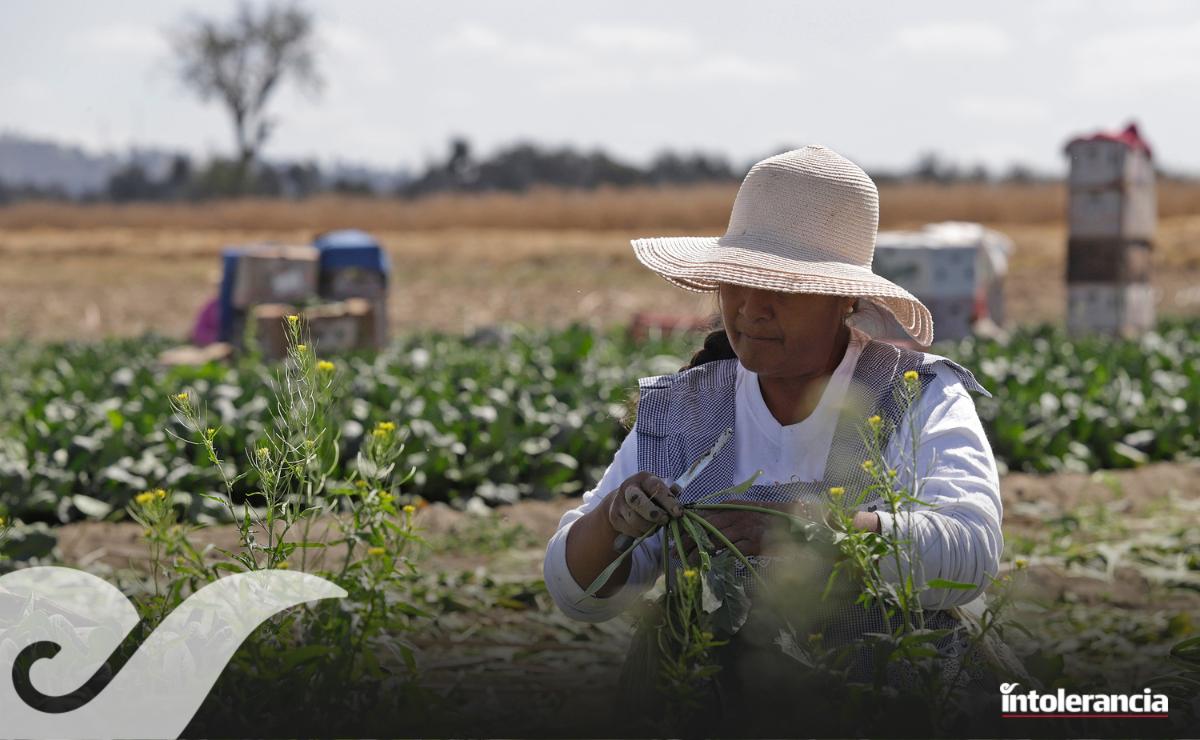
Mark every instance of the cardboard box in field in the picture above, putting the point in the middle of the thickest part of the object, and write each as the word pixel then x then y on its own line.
pixel 275 274
pixel 344 283
pixel 270 332
pixel 355 265
pixel 1112 214
pixel 1108 261
pixel 331 327
pixel 1106 308
pixel 342 326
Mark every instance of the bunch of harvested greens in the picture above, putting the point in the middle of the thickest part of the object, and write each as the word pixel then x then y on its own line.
pixel 673 651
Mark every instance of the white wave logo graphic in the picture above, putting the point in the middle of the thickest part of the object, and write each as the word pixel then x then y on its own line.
pixel 160 688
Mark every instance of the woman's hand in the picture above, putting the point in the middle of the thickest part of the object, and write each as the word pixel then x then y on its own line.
pixel 751 532
pixel 642 503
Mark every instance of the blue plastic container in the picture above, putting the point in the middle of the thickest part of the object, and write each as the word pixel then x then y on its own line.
pixel 352 248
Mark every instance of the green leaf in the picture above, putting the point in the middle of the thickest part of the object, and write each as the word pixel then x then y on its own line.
pixel 296 656
pixel 943 583
pixel 735 604
pixel 607 573
pixel 91 507
pixel 917 636
pixel 698 535
pixel 729 548
pixel 736 491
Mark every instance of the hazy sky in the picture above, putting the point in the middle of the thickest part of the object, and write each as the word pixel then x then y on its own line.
pixel 877 81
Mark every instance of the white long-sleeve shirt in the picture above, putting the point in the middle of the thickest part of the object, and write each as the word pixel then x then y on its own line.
pixel 955 533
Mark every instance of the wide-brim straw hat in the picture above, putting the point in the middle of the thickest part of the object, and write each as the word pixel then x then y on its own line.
pixel 803 222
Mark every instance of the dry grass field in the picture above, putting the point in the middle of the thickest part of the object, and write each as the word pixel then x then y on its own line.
pixel 464 261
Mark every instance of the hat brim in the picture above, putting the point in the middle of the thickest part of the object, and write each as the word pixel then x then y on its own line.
pixel 701 264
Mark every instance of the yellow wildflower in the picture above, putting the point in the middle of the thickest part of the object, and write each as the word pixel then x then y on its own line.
pixel 283 565
pixel 837 492
pixel 210 431
pixel 144 498
pixel 160 493
pixel 301 347
pixel 378 432
pixel 689 574
pixel 309 442
pixel 377 551
pixel 1 521
pixel 182 397
pixel 867 465
pixel 264 451
pixel 409 509
pixel 360 483
pixel 387 426
pixel 892 473
pixel 325 366
pixel 1021 564
pixel 875 421
pixel 293 319
pixel 911 376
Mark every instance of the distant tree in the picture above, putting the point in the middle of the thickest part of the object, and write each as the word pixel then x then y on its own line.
pixel 932 168
pixel 1020 174
pixel 350 186
pixel 131 183
pixel 243 62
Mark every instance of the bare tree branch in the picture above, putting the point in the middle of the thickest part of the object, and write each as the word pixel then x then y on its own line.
pixel 243 62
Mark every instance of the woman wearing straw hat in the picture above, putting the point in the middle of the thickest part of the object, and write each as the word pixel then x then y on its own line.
pixel 795 381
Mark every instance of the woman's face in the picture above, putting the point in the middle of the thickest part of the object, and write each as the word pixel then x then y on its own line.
pixel 783 335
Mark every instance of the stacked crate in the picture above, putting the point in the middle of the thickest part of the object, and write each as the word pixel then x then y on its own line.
pixel 264 273
pixel 353 265
pixel 338 285
pixel 332 327
pixel 956 269
pixel 1111 216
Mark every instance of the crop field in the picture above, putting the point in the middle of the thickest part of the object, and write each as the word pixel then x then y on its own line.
pixel 502 428
pixel 1104 514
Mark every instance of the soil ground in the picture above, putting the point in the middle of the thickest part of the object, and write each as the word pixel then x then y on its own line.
pixel 1028 501
pixel 497 634
pixel 63 283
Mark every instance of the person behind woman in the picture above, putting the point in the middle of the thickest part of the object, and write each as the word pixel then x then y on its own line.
pixel 796 383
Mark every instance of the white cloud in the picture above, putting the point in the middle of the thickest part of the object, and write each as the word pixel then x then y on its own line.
pixel 123 38
pixel 1125 61
pixel 30 90
pixel 614 58
pixel 637 40
pixel 473 38
pixel 731 68
pixel 954 38
pixel 371 62
pixel 1004 109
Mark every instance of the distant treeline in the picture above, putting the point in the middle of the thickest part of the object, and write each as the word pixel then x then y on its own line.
pixel 513 169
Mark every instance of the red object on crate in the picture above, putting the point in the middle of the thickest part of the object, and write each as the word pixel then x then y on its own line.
pixel 666 324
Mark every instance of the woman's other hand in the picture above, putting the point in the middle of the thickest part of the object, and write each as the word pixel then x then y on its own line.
pixel 642 503
pixel 751 532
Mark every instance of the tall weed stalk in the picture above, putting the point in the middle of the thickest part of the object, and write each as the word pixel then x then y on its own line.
pixel 347 660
